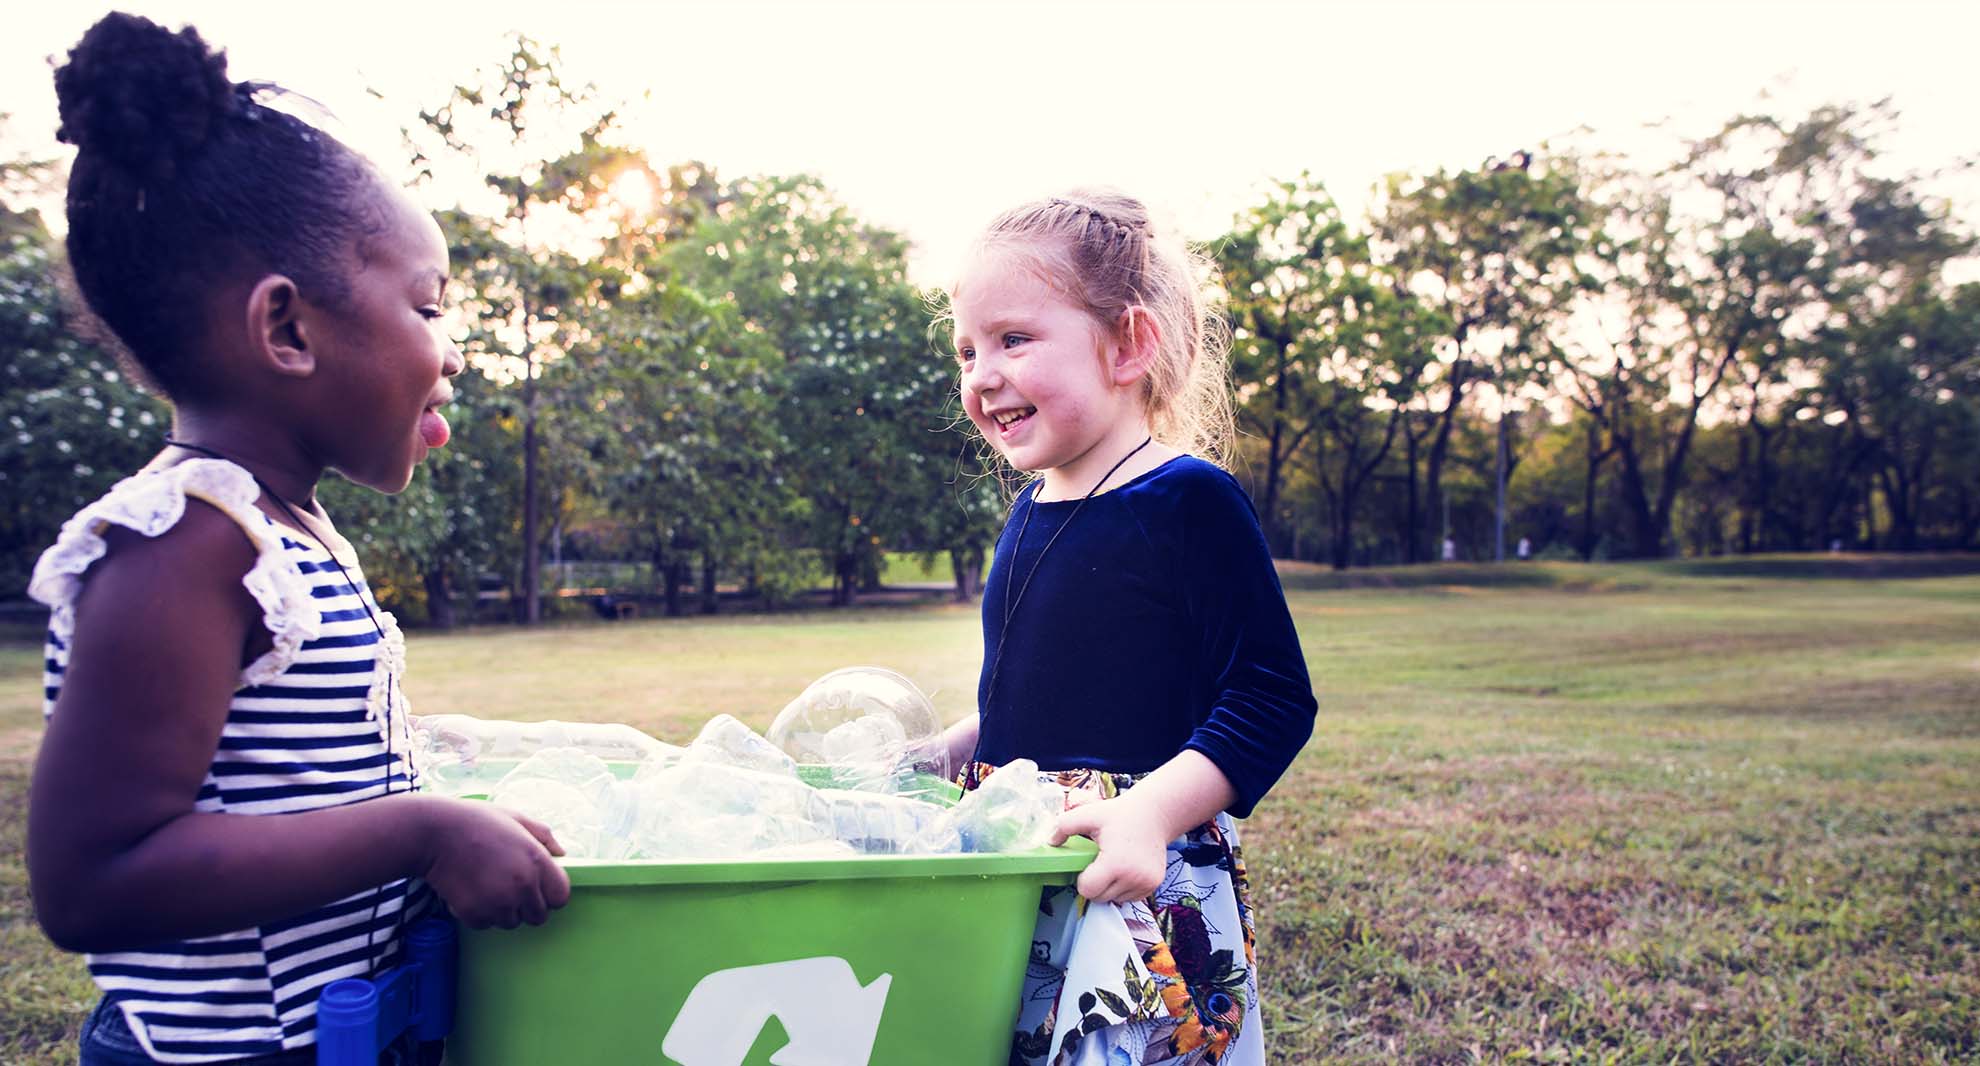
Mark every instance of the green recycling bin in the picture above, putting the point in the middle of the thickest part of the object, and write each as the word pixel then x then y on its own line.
pixel 874 960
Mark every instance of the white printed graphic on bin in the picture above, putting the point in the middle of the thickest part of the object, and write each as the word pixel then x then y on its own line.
pixel 830 1019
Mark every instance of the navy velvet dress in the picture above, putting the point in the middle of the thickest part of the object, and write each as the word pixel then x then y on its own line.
pixel 1154 623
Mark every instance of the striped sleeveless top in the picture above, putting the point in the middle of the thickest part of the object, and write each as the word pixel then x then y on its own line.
pixel 307 728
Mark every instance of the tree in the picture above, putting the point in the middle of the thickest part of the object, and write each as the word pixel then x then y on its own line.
pixel 1290 266
pixel 682 425
pixel 527 295
pixel 1492 250
pixel 1909 385
pixel 1766 260
pixel 863 400
pixel 1645 350
pixel 72 419
pixel 1739 301
pixel 1363 387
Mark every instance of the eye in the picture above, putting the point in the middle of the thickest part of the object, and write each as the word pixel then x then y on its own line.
pixel 965 355
pixel 430 312
pixel 1012 340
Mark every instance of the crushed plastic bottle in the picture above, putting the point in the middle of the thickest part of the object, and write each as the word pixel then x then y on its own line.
pixel 610 792
pixel 565 789
pixel 875 824
pixel 702 809
pixel 1013 809
pixel 459 755
pixel 871 725
pixel 571 815
pixel 726 741
pixel 872 738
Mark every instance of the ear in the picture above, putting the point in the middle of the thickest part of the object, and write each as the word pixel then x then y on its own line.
pixel 1137 339
pixel 275 327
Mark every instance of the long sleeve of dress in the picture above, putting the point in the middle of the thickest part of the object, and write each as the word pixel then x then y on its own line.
pixel 1262 703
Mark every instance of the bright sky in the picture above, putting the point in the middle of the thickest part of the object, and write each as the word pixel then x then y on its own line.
pixel 929 117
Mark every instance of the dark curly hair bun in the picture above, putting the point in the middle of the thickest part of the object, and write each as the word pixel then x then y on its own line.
pixel 182 181
pixel 141 97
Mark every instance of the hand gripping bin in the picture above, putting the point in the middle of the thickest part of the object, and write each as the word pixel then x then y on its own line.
pixel 873 960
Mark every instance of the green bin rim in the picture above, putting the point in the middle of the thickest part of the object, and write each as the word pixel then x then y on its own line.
pixel 1072 856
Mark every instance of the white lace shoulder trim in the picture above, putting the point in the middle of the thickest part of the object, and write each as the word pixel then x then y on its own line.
pixel 378 700
pixel 151 503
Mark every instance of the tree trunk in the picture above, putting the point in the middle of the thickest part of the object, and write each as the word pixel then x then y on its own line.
pixel 1763 487
pixel 1275 450
pixel 1967 525
pixel 677 573
pixel 1746 508
pixel 1898 501
pixel 1867 501
pixel 709 602
pixel 1588 483
pixel 1412 534
pixel 439 605
pixel 1268 508
pixel 1673 472
pixel 1758 472
pixel 1499 492
pixel 1355 475
pixel 1434 468
pixel 845 578
pixel 1343 533
pixel 967 564
pixel 1835 519
pixel 532 552
pixel 1646 534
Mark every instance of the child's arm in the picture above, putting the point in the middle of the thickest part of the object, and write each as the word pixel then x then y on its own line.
pixel 960 740
pixel 1259 717
pixel 1134 828
pixel 118 857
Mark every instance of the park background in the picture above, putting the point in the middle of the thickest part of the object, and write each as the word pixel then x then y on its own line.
pixel 1683 296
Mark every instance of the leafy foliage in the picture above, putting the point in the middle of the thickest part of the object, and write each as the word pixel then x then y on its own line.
pixel 1758 347
pixel 72 421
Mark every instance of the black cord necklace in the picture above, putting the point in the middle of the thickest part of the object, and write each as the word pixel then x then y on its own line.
pixel 304 528
pixel 1011 605
pixel 390 756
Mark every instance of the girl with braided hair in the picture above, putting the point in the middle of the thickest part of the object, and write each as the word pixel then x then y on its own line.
pixel 223 813
pixel 1137 645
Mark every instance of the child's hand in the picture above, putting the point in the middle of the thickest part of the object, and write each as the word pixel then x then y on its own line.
pixel 1134 848
pixel 494 866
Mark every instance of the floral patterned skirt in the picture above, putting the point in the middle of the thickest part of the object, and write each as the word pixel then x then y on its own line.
pixel 1166 981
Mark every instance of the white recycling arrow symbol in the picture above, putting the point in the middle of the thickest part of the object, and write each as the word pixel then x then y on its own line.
pixel 830 1019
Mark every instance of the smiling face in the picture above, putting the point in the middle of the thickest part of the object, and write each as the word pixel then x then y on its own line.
pixel 1039 377
pixel 385 353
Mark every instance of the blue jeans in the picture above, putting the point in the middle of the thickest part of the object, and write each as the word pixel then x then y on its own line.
pixel 107 1040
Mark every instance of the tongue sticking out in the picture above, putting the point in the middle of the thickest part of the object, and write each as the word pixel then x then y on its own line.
pixel 433 428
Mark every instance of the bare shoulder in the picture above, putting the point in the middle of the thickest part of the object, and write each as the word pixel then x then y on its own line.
pixel 198 562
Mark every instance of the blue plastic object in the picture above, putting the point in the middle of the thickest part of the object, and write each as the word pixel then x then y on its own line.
pixel 357 1019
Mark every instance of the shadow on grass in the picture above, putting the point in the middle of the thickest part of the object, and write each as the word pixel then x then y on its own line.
pixel 1630 576
pixel 1316 577
pixel 1854 565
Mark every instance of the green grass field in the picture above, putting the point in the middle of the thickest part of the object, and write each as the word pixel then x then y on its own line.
pixel 1676 812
